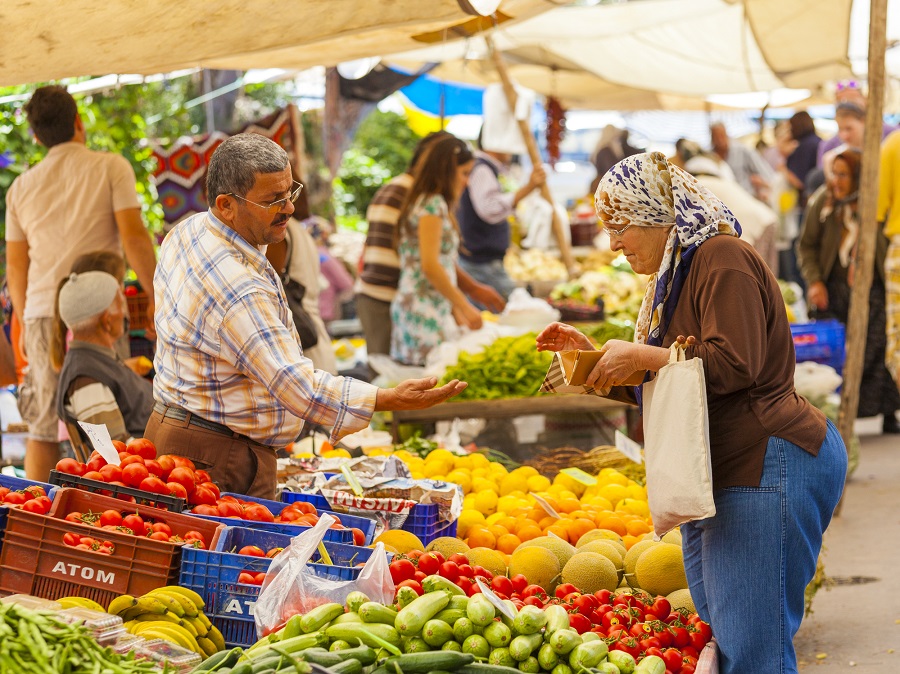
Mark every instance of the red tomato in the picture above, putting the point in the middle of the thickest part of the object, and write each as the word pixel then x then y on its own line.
pixel 519 582
pixel 502 584
pixel 87 540
pixel 401 569
pixel 154 485
pixel 305 507
pixel 579 623
pixel 73 517
pixel 202 476
pixel 429 563
pixel 252 551
pixel 111 473
pixel 166 462
pixel 289 514
pixel 230 509
pixel 359 538
pixel 247 578
pixel 204 509
pixel 672 658
pixel 161 526
pixel 96 463
pixel 71 467
pixel 563 589
pixel 142 448
pixel 629 645
pixel 259 577
pixel 604 596
pixel 466 571
pixel 483 572
pixel 702 627
pixel 440 557
pixel 158 536
pixel 195 537
pixel 15 498
pixel 184 477
pixel 177 490
pixel 687 668
pixel 202 495
pixel 110 518
pixel 212 487
pixel 135 523
pixel 40 505
pixel 414 584
pixel 130 459
pixel 533 591
pixel 135 473
pixel 680 636
pixel 93 475
pixel 274 552
pixel 120 446
pixel 414 554
pixel 71 539
pixel 4 491
pixel 458 558
pixel 534 601
pixel 465 585
pixel 697 639
pixel 256 512
pixel 154 468
pixel 473 590
pixel 419 576
pixel 450 571
pixel 82 546
pixel 183 462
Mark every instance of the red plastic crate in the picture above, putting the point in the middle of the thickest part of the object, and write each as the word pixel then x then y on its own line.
pixel 34 560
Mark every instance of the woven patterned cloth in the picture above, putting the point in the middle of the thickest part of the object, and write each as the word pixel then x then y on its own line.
pixel 181 168
pixel 708 663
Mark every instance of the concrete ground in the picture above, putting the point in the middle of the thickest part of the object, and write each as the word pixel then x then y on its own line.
pixel 856 622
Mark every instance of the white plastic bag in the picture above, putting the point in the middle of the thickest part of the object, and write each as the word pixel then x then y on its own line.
pixel 291 587
pixel 676 444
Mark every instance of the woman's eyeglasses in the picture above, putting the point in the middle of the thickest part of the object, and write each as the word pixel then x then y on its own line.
pixel 617 232
pixel 275 206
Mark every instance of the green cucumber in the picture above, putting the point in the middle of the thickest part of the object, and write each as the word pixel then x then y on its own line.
pixel 482 668
pixel 413 617
pixel 435 583
pixel 590 636
pixel 421 663
pixel 607 668
pixel 373 612
pixel 524 645
pixel 339 645
pixel 436 633
pixel 350 666
pixel 320 616
pixel 562 668
pixel 406 596
pixel 220 660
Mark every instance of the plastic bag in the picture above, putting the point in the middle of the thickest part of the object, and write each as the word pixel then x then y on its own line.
pixel 291 587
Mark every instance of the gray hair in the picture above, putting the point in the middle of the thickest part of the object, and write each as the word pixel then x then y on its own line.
pixel 238 160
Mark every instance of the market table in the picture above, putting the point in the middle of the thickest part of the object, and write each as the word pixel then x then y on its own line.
pixel 506 408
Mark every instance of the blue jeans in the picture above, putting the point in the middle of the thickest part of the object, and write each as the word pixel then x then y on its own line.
pixel 489 273
pixel 748 566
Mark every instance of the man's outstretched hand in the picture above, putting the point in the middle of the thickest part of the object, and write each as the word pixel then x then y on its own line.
pixel 416 394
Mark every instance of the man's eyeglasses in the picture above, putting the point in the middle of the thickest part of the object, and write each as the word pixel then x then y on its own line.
pixel 275 206
pixel 617 232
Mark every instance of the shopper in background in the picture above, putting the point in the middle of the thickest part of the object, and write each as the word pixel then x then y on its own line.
pixel 95 385
pixel 849 91
pixel 612 146
pixel 749 169
pixel 75 200
pixel 428 298
pixel 803 158
pixel 483 214
pixel 827 252
pixel 377 283
pixel 778 465
pixel 889 214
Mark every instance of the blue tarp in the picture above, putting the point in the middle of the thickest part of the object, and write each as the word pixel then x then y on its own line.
pixel 458 99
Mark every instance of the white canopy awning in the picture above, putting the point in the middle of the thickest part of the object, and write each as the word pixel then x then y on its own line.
pixel 51 39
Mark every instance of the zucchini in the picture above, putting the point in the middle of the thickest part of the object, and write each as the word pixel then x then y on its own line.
pixel 375 635
pixel 320 616
pixel 373 612
pixel 412 619
pixel 450 615
pixel 436 633
pixel 458 601
pixel 652 664
pixel 482 668
pixel 346 618
pixel 350 666
pixel 557 619
pixel 435 583
pixel 421 663
pixel 522 646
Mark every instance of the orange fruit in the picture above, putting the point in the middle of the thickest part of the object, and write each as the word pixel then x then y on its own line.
pixel 580 527
pixel 481 537
pixel 558 530
pixel 537 514
pixel 613 523
pixel 507 543
pixel 498 530
pixel 508 523
pixel 628 540
pixel 529 532
pixel 637 527
pixel 568 505
pixel 547 521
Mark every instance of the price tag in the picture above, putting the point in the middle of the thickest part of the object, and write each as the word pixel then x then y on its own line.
pixel 628 447
pixel 546 506
pixel 494 599
pixel 98 434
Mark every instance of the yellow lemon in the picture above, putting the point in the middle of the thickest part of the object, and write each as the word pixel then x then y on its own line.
pixel 462 478
pixel 527 471
pixel 486 502
pixel 480 484
pixel 433 468
pixel 508 503
pixel 633 506
pixel 612 476
pixel 613 492
pixel 440 455
pixel 637 491
pixel 513 483
pixel 496 517
pixel 479 460
pixel 468 518
pixel 480 472
pixel 336 454
pixel 538 483
pixel 498 469
pixel 598 501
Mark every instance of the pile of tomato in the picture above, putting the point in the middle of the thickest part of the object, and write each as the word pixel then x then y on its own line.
pixel 250 577
pixel 299 513
pixel 131 524
pixel 139 468
pixel 32 499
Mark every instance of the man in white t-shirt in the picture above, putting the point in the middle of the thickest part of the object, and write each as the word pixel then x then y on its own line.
pixel 73 202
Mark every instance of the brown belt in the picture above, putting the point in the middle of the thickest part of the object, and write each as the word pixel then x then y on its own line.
pixel 181 414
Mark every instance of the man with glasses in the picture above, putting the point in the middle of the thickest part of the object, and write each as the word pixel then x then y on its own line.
pixel 232 384
pixel 74 201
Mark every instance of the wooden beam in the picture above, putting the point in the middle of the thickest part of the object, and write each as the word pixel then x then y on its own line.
pixel 857 323
pixel 533 153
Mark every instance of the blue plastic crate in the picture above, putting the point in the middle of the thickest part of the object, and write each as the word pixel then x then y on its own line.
pixel 366 525
pixel 430 533
pixel 421 515
pixel 15 484
pixel 214 573
pixel 332 535
pixel 820 341
pixel 236 631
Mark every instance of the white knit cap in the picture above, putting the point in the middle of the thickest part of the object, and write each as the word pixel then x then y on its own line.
pixel 86 295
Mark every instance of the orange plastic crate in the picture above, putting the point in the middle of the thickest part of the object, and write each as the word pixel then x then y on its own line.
pixel 34 560
pixel 137 308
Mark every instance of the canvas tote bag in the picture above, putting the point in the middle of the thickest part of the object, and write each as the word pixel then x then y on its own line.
pixel 676 444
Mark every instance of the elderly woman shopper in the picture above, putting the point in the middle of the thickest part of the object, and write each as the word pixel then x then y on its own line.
pixel 95 386
pixel 826 251
pixel 778 464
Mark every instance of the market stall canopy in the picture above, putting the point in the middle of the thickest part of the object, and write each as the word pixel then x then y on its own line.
pixel 50 40
pixel 659 53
